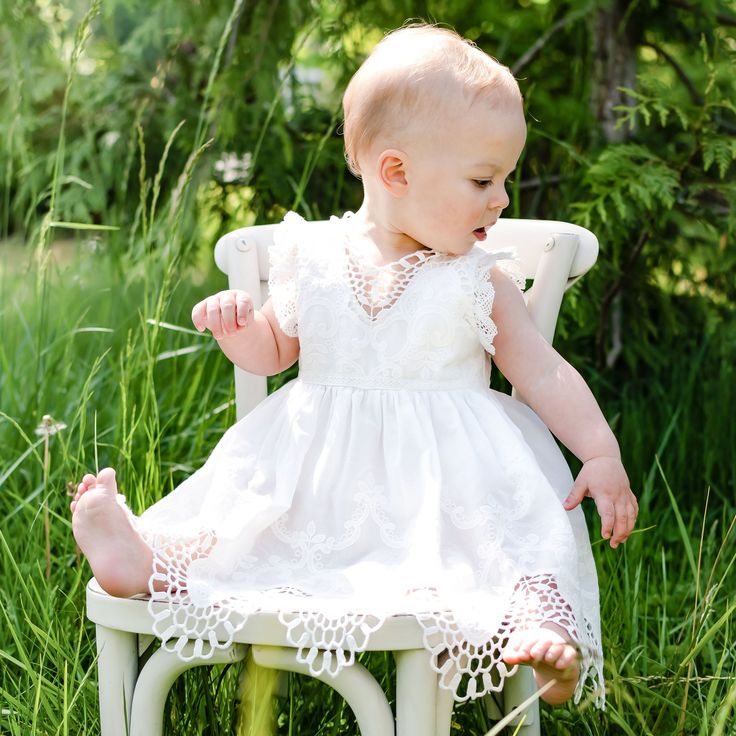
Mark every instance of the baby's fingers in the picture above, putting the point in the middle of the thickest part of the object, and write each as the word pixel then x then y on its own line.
pixel 607 512
pixel 576 495
pixel 243 308
pixel 625 520
pixel 206 315
pixel 619 533
pixel 223 314
pixel 199 313
pixel 236 308
pixel 213 320
pixel 227 313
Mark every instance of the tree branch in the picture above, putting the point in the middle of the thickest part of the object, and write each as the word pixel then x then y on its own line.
pixel 611 294
pixel 696 97
pixel 725 20
pixel 538 181
pixel 539 44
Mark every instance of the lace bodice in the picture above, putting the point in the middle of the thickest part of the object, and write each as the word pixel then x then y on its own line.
pixel 422 322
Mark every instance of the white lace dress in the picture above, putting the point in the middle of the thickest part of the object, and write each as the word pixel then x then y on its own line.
pixel 386 479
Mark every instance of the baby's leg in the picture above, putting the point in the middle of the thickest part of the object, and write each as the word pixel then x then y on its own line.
pixel 119 557
pixel 552 655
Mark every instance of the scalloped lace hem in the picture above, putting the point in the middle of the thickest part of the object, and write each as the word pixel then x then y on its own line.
pixel 328 632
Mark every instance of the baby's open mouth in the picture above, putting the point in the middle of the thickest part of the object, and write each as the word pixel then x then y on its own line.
pixel 480 233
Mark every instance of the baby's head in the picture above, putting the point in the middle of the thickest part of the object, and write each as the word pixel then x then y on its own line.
pixel 415 78
pixel 433 126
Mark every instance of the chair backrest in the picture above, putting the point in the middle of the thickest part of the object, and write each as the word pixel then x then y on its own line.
pixel 553 254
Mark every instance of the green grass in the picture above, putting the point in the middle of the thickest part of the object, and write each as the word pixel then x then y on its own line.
pixel 85 341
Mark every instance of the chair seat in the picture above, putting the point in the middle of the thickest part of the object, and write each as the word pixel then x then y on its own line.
pixel 133 690
pixel 125 630
pixel 133 615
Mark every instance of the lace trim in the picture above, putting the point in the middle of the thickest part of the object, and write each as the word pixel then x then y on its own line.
pixel 328 633
pixel 282 280
pixel 509 263
pixel 484 293
pixel 327 643
pixel 377 288
pixel 472 666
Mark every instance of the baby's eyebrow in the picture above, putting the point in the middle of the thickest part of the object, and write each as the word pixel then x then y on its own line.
pixel 494 167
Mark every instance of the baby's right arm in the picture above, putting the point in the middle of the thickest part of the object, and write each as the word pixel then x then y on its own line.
pixel 251 339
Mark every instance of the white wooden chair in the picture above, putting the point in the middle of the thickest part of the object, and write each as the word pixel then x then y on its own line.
pixel 132 695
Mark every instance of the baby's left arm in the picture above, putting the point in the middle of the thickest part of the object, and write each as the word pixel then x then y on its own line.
pixel 562 399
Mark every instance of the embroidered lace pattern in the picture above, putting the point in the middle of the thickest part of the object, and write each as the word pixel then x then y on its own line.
pixel 466 653
pixel 484 293
pixel 470 540
pixel 282 275
pixel 465 640
pixel 469 658
pixel 377 288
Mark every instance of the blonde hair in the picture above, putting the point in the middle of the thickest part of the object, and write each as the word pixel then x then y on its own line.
pixel 409 75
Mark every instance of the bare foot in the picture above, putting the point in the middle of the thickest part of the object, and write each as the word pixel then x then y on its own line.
pixel 552 654
pixel 120 560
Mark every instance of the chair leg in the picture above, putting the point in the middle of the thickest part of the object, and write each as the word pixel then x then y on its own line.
pixel 157 677
pixel 491 705
pixel 359 688
pixel 516 690
pixel 443 718
pixel 117 672
pixel 416 693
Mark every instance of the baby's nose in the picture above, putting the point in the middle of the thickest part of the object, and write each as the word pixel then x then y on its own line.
pixel 500 199
pixel 497 206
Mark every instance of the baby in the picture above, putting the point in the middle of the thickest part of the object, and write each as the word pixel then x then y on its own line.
pixel 475 511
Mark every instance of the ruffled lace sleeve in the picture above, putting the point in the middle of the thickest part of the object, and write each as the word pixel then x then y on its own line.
pixel 282 273
pixel 484 292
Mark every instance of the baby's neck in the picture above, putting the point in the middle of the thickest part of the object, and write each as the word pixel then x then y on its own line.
pixel 378 237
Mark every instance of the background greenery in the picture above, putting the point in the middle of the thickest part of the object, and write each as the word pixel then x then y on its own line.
pixel 135 133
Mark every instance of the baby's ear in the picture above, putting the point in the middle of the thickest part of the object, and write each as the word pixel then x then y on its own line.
pixel 392 171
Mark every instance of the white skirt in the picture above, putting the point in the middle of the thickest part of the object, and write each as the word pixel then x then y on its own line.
pixel 338 507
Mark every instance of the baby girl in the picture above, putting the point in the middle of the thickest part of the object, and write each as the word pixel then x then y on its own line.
pixel 388 478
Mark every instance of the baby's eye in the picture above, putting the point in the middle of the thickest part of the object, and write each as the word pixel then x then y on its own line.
pixel 483 183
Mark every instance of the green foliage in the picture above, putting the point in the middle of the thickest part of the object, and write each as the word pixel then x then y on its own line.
pixel 626 182
pixel 260 82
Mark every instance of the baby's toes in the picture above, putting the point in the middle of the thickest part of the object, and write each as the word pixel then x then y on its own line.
pixel 517 649
pixel 81 488
pixel 553 654
pixel 88 482
pixel 106 482
pixel 538 651
pixel 567 657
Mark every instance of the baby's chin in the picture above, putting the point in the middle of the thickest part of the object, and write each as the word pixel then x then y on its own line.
pixel 454 249
pixel 448 246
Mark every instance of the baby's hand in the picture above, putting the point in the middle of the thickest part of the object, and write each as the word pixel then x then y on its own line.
pixel 605 481
pixel 224 314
